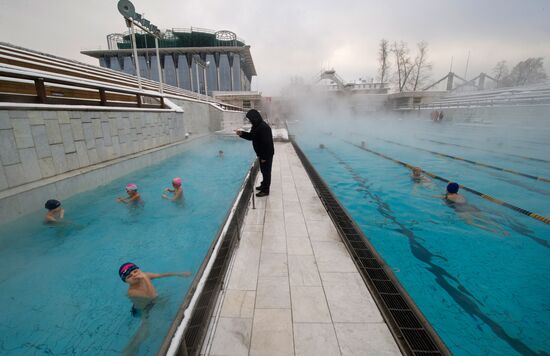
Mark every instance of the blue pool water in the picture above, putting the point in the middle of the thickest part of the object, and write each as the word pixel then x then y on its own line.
pixel 484 289
pixel 61 293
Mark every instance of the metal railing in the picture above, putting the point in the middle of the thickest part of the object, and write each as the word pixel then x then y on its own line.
pixel 28 60
pixel 197 323
pixel 500 97
pixel 40 89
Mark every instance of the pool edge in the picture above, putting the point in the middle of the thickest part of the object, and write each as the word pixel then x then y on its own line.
pixel 188 330
pixel 405 337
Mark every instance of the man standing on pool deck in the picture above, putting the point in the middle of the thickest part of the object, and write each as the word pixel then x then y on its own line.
pixel 262 141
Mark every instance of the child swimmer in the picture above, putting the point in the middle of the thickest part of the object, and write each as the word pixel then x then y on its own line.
pixel 141 291
pixel 178 191
pixel 55 213
pixel 133 195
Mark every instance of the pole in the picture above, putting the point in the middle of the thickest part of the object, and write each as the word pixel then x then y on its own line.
pixel 191 75
pixel 252 187
pixel 198 81
pixel 467 62
pixel 136 59
pixel 158 64
pixel 205 81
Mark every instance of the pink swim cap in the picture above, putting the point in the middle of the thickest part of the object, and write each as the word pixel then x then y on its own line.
pixel 176 181
pixel 131 186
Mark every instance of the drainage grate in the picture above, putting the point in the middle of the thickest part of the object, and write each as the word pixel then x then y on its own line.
pixel 411 330
pixel 198 324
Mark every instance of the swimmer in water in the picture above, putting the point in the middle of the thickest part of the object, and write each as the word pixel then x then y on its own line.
pixel 140 288
pixel 178 190
pixel 420 179
pixel 55 213
pixel 142 293
pixel 220 154
pixel 452 194
pixel 321 146
pixel 470 213
pixel 133 195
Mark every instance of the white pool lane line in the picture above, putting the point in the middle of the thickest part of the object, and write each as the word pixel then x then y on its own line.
pixel 292 287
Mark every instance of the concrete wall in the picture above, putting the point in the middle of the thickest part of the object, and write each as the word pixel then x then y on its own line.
pixel 31 197
pixel 217 119
pixel 525 116
pixel 58 153
pixel 38 144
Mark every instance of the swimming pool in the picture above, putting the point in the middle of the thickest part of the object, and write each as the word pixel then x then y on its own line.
pixel 484 292
pixel 61 292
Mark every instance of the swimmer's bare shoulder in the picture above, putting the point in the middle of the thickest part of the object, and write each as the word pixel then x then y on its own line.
pixel 456 198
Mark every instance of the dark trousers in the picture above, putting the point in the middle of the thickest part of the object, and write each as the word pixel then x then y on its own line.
pixel 265 168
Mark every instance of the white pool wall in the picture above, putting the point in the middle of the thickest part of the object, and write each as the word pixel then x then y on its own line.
pixel 56 152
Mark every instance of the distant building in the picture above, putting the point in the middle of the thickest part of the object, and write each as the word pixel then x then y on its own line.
pixel 195 59
pixel 244 99
pixel 329 80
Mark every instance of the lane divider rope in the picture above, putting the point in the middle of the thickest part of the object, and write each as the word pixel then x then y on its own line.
pixel 484 196
pixel 484 149
pixel 470 161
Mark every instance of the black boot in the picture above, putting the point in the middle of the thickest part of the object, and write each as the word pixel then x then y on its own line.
pixel 262 193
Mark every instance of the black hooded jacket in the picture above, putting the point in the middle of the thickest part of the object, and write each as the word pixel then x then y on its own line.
pixel 260 135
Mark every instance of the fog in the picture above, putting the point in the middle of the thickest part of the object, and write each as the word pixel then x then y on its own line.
pixel 519 130
pixel 299 38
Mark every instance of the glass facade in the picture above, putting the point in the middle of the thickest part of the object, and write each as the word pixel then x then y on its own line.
pixel 231 78
pixel 237 72
pixel 225 74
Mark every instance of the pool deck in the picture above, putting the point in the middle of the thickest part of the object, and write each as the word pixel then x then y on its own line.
pixel 292 288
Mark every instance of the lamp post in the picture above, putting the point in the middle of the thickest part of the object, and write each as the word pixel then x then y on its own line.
pixel 198 82
pixel 205 79
pixel 159 69
pixel 130 24
pixel 127 9
pixel 203 65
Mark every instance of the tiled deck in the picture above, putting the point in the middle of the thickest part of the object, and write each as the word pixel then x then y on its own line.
pixel 292 287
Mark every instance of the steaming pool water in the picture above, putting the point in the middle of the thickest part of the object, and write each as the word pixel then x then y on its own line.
pixel 61 293
pixel 483 288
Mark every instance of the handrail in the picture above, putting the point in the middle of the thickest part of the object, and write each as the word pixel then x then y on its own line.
pixel 28 59
pixel 42 96
pixel 487 102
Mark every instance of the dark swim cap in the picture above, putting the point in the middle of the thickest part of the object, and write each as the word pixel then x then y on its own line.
pixel 52 204
pixel 452 188
pixel 254 116
pixel 125 270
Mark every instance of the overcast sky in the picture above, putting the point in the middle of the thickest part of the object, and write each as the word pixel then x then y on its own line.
pixel 292 37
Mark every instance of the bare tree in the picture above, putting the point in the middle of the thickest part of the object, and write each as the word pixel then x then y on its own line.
pixel 404 64
pixel 529 71
pixel 500 71
pixel 422 68
pixel 383 53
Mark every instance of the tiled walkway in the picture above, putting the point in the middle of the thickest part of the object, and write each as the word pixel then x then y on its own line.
pixel 293 289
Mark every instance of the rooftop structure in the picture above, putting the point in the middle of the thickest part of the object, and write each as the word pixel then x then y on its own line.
pixel 196 59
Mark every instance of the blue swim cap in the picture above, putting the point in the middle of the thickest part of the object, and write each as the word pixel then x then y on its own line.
pixel 125 270
pixel 452 188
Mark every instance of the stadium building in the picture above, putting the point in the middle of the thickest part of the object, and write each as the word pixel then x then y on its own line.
pixel 200 60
